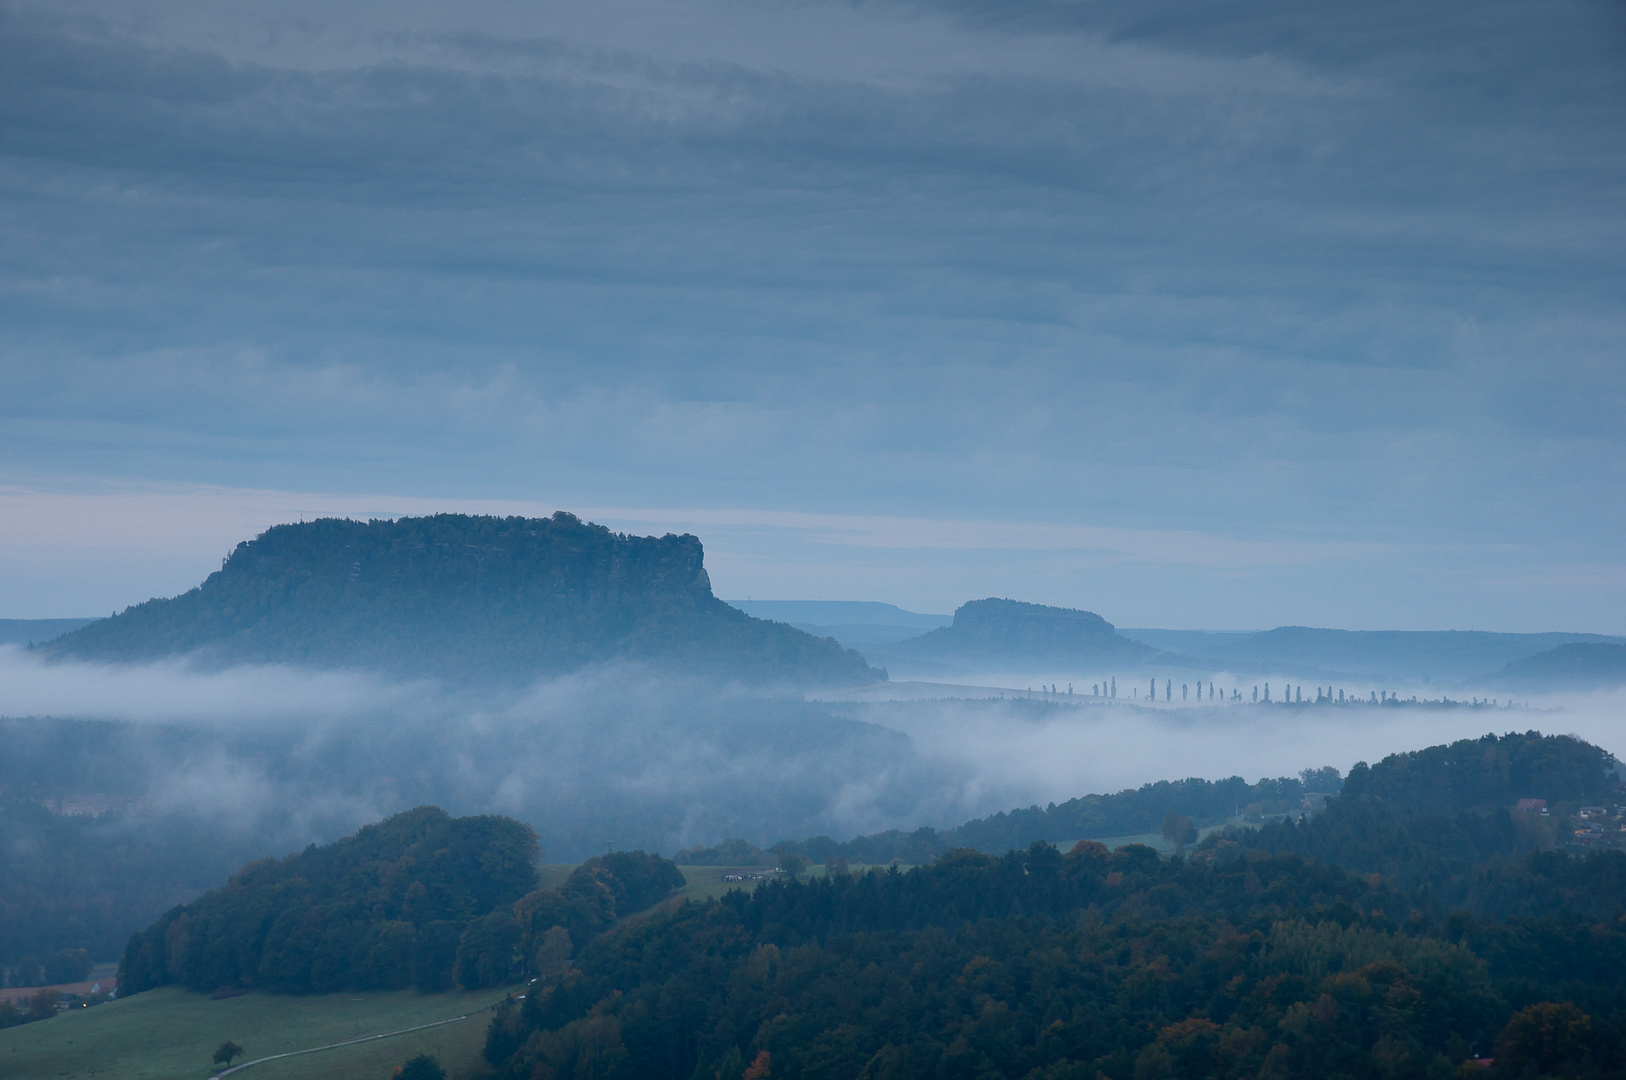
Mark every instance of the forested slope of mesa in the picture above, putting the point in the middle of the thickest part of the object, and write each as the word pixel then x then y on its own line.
pixel 463 597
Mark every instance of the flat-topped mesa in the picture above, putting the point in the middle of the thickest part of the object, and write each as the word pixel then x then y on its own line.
pixel 1012 629
pixel 1030 627
pixel 455 596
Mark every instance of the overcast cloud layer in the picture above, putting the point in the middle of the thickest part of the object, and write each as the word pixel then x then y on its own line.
pixel 1224 315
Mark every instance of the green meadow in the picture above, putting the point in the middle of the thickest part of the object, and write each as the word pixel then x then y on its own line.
pixel 171 1034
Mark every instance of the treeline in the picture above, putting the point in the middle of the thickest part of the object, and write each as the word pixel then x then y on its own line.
pixel 419 900
pixel 1489 772
pixel 1127 813
pixel 1141 810
pixel 1438 823
pixel 1401 816
pixel 383 909
pixel 1472 776
pixel 1044 966
pixel 1414 926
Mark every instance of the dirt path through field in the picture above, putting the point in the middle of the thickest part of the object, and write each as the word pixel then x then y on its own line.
pixel 333 1046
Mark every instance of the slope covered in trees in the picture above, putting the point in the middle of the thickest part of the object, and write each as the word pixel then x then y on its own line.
pixel 76 881
pixel 383 909
pixel 1487 773
pixel 1441 822
pixel 420 899
pixel 1131 812
pixel 1043 966
pixel 463 597
pixel 538 934
pixel 1448 794
pixel 1246 957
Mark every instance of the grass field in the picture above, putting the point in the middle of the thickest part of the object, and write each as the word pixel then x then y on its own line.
pixel 171 1034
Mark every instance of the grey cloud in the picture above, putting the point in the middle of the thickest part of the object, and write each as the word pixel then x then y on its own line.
pixel 1267 268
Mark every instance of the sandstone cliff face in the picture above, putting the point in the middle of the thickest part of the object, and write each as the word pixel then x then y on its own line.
pixel 458 596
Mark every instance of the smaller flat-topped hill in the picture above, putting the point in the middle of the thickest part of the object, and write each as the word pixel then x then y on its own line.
pixel 1010 630
pixel 455 596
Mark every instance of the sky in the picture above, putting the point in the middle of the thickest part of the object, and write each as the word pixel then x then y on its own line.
pixel 1223 315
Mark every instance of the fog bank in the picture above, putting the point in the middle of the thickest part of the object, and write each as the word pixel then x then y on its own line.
pixel 619 758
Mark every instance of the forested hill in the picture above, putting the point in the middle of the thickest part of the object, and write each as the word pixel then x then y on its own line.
pixel 1411 930
pixel 1041 965
pixel 463 597
pixel 420 899
pixel 1445 822
pixel 1489 773
pixel 1401 816
pixel 383 908
pixel 1126 813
